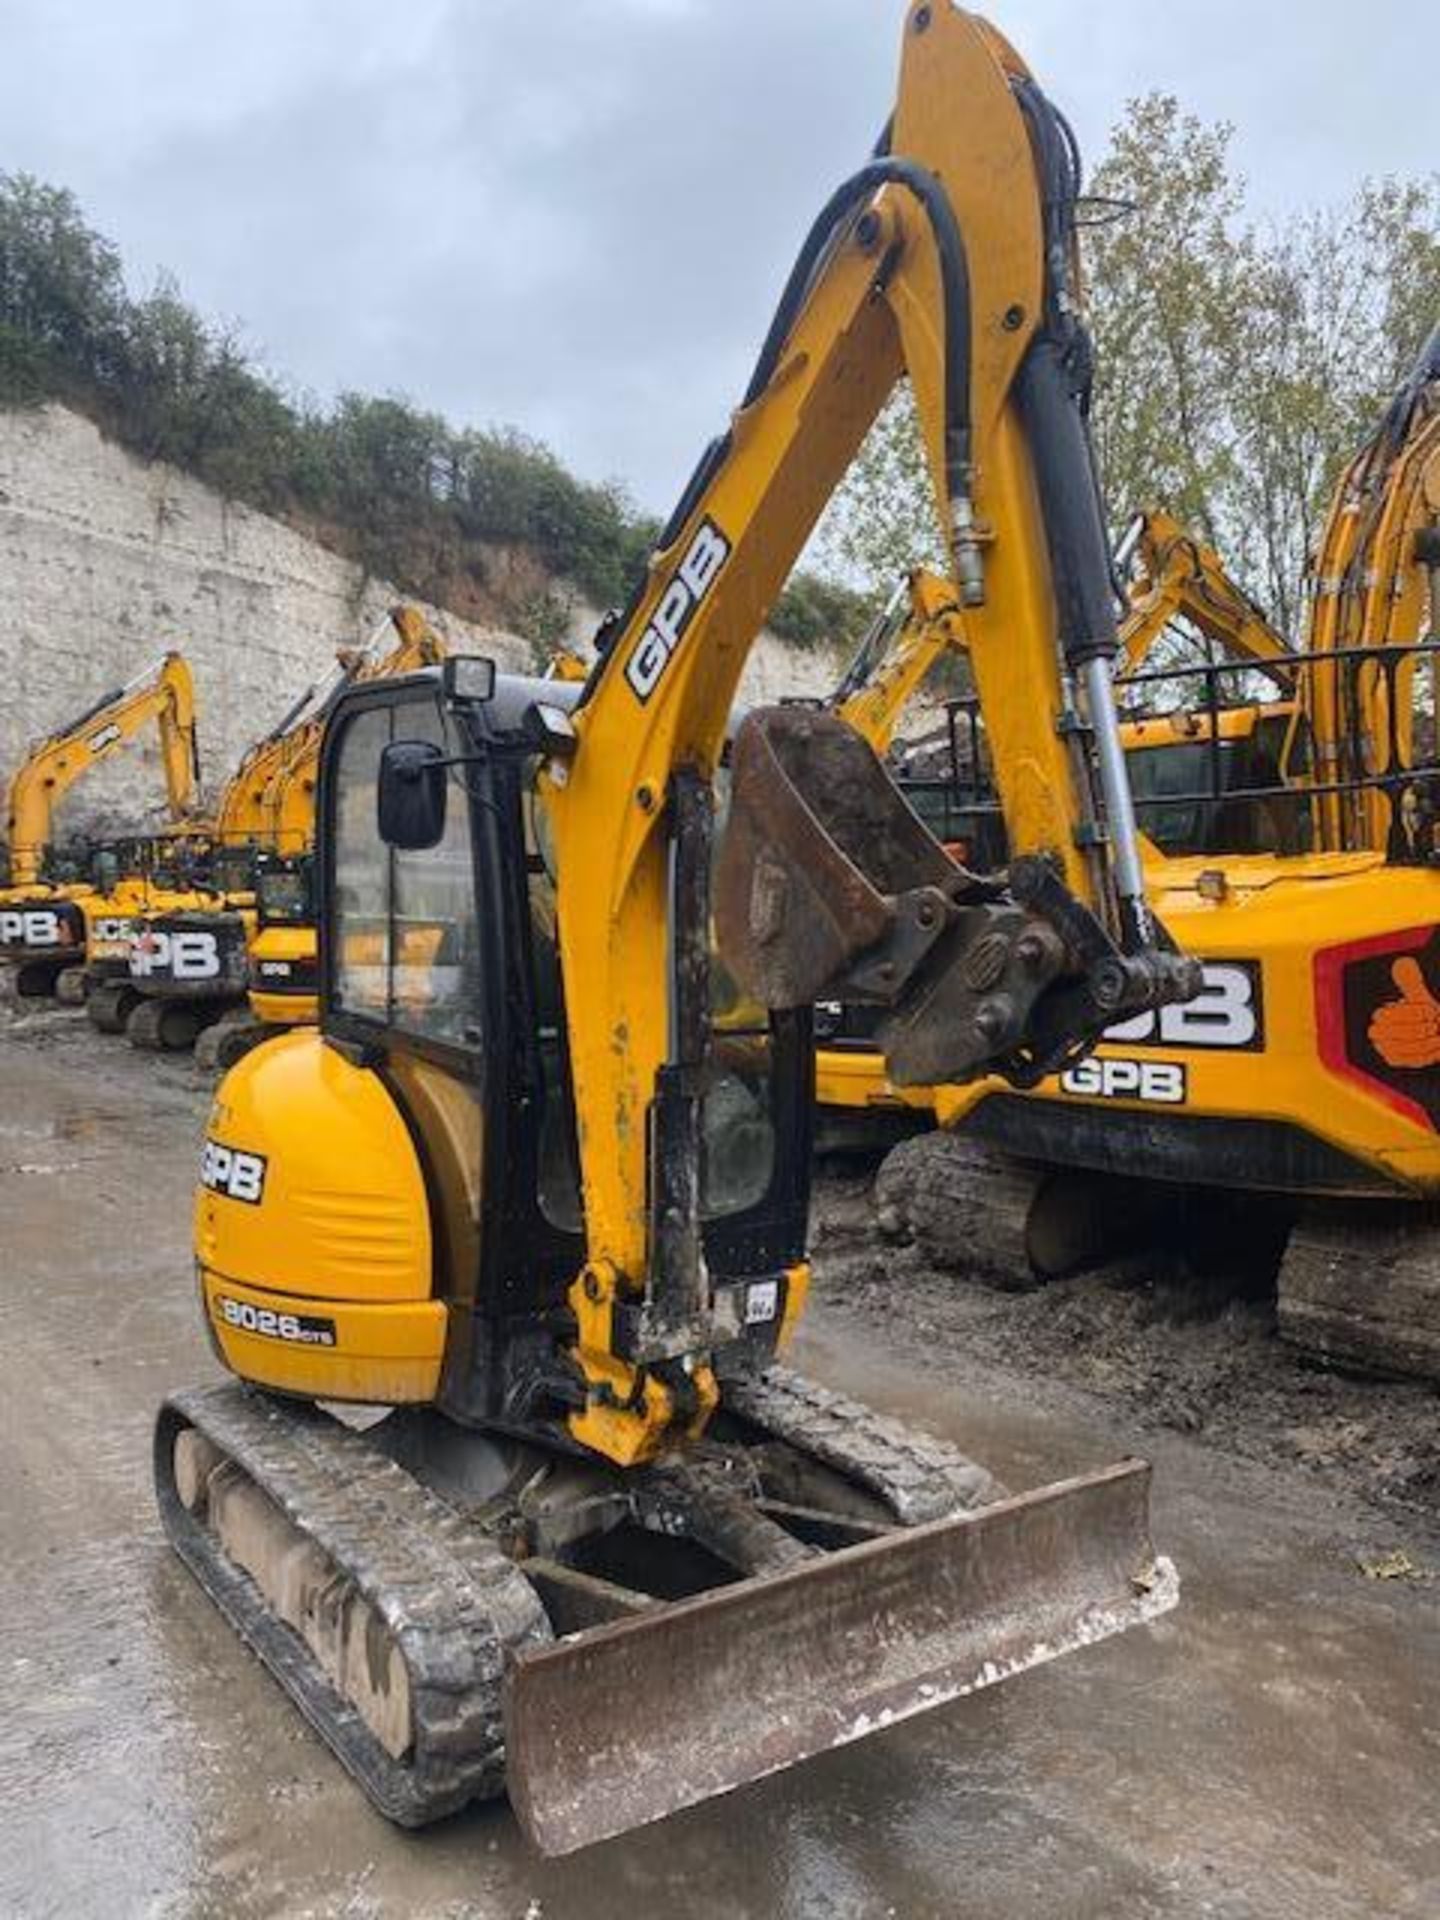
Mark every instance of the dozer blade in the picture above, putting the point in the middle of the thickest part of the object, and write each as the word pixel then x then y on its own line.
pixel 629 1721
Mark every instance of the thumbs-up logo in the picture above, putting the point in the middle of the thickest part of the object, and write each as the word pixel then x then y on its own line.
pixel 1406 1032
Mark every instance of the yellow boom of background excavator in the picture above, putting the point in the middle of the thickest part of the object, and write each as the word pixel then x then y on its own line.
pixel 539 1181
pixel 44 922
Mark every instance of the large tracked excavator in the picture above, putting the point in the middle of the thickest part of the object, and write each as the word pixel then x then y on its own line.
pixel 1295 1098
pixel 510 1488
pixel 44 918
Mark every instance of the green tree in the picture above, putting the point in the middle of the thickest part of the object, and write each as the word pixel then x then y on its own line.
pixel 1237 364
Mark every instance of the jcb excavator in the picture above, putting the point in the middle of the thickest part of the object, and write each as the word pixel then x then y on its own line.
pixel 1168 575
pixel 192 969
pixel 1296 1097
pixel 538 1183
pixel 43 920
pixel 224 863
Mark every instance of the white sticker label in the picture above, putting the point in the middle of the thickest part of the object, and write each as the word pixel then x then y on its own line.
pixel 762 1302
pixel 229 1171
pixel 271 1323
pixel 183 956
pixel 30 927
pixel 1225 1013
pixel 105 737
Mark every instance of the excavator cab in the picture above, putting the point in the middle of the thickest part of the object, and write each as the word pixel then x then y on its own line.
pixel 440 958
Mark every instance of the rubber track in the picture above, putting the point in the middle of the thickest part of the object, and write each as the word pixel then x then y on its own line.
pixel 449 1596
pixel 966 1209
pixel 917 1476
pixel 1360 1288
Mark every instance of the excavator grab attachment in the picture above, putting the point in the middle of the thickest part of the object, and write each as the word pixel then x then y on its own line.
pixel 896 1626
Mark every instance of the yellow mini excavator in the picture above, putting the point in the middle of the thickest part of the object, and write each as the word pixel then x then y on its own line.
pixel 538 1182
pixel 43 919
pixel 1294 1102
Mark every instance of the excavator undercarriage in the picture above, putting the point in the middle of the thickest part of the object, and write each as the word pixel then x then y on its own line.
pixel 445 1610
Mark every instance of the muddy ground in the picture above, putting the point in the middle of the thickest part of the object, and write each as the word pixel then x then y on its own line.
pixel 1270 1749
pixel 1167 1346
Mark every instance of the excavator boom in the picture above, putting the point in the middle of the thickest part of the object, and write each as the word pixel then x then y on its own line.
pixel 163 695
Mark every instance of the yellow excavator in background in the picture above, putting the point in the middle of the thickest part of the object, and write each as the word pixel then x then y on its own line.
pixel 1170 577
pixel 539 1181
pixel 240 819
pixel 44 920
pixel 192 969
pixel 1170 573
pixel 1296 1101
pixel 919 627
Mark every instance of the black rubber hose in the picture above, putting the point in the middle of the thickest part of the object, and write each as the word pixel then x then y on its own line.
pixel 955 290
pixel 1053 394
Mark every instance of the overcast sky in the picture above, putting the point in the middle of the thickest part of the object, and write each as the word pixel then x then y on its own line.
pixel 575 216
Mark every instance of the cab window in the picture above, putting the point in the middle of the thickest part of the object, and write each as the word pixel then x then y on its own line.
pixel 407 940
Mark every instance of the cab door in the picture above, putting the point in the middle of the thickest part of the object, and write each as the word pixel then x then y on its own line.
pixel 404 961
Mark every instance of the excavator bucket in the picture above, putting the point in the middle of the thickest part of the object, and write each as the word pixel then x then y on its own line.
pixel 828 887
pixel 626 1722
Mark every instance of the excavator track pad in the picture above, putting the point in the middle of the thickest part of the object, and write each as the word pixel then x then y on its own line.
pixel 873 1573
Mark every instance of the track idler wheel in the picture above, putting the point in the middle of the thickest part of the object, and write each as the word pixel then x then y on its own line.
pixel 110 1005
pixel 70 987
pixel 163 1026
pixel 220 1046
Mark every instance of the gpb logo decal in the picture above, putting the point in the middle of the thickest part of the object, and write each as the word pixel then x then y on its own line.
pixel 106 737
pixel 183 956
pixel 1161 1082
pixel 687 587
pixel 30 927
pixel 236 1175
pixel 1225 1013
pixel 302 1329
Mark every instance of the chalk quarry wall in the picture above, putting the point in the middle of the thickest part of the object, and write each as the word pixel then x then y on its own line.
pixel 106 561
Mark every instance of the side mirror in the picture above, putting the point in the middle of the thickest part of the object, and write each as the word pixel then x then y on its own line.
pixel 410 795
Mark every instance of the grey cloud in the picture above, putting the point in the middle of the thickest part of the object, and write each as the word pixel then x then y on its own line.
pixel 575 218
